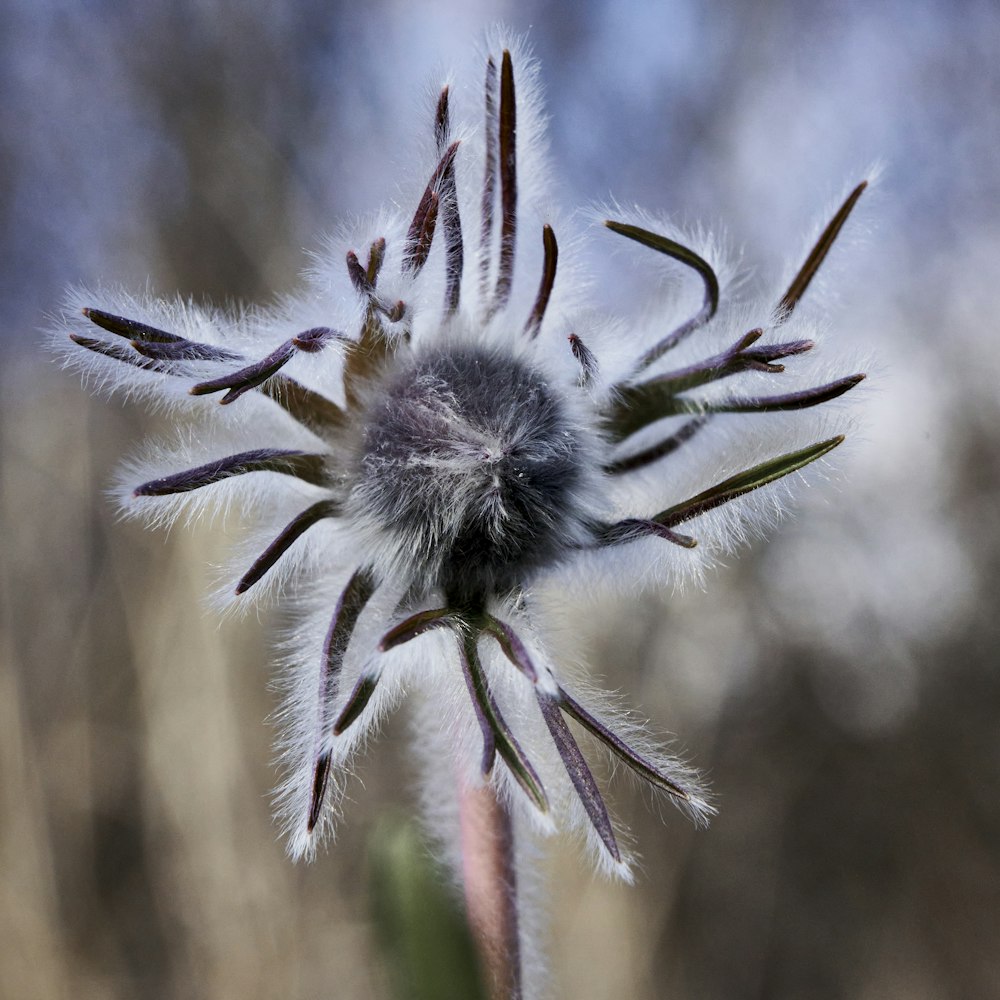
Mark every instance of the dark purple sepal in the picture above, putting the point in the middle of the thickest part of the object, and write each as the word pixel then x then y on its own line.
pixel 358 275
pixel 442 121
pixel 507 162
pixel 376 257
pixel 393 311
pixel 130 329
pixel 511 645
pixel 633 528
pixel 302 465
pixel 491 143
pixel 313 340
pixel 766 353
pixel 352 601
pixel 639 406
pixel 451 221
pixel 661 449
pixel 418 244
pixel 121 353
pixel 579 774
pixel 183 350
pixel 635 760
pixel 551 258
pixel 365 278
pixel 741 357
pixel 356 702
pixel 787 401
pixel 239 382
pixel 586 359
pixel 679 252
pixel 321 774
pixel 418 624
pixel 454 247
pixel 421 231
pixel 294 530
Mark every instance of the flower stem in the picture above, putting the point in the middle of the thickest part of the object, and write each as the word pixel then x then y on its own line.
pixel 490 880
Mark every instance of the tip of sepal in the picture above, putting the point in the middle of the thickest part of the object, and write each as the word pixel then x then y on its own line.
pixel 699 809
pixel 320 776
pixel 302 845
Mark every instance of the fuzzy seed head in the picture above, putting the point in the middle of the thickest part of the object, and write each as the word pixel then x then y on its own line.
pixel 443 426
pixel 471 466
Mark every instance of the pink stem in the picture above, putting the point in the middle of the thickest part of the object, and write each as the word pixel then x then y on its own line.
pixel 491 888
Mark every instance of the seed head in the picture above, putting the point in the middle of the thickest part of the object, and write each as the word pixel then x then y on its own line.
pixel 436 430
pixel 470 468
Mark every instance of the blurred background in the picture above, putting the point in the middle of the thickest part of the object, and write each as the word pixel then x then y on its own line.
pixel 839 684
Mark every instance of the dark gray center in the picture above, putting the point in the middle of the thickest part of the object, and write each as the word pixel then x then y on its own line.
pixel 469 458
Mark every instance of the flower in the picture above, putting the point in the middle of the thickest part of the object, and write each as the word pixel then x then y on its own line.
pixel 439 431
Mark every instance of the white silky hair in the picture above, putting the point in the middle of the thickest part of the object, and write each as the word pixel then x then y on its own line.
pixel 316 569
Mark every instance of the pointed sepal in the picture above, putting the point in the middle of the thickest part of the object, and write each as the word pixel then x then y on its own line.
pixel 817 255
pixel 681 253
pixel 745 482
pixel 308 467
pixel 579 773
pixel 497 736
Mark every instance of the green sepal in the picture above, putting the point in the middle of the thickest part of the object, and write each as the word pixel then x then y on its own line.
pixel 489 715
pixel 818 254
pixel 745 482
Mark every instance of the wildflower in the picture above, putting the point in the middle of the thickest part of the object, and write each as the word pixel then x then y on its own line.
pixel 439 429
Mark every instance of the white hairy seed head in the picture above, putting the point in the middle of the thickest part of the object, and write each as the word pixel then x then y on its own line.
pixel 471 469
pixel 426 438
